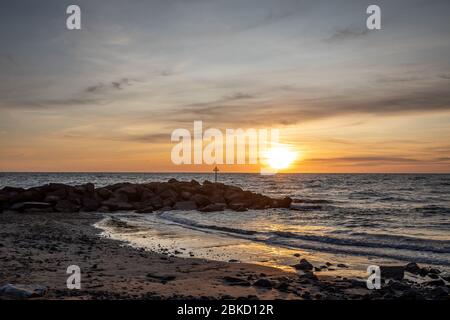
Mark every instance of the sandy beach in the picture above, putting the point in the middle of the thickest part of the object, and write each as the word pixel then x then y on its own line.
pixel 46 229
pixel 37 248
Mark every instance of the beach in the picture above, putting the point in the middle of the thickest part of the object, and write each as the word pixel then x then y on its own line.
pixel 38 246
pixel 36 249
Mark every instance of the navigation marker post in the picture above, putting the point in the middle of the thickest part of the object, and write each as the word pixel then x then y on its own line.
pixel 215 174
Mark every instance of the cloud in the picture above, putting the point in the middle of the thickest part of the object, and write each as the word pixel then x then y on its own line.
pixel 269 110
pixel 95 88
pixel 94 95
pixel 347 34
pixel 8 59
pixel 117 85
pixel 379 160
pixel 366 159
pixel 149 138
pixel 238 96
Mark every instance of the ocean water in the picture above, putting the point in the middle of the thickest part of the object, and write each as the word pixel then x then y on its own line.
pixel 355 219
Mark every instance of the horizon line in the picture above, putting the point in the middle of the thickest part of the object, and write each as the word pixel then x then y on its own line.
pixel 211 172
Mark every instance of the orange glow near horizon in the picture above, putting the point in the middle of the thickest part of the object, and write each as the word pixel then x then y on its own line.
pixel 280 157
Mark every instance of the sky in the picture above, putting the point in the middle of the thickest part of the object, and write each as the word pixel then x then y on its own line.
pixel 107 97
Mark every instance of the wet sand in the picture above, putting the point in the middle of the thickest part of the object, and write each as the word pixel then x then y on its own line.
pixel 37 248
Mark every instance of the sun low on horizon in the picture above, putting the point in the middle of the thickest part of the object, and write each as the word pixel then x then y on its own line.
pixel 280 157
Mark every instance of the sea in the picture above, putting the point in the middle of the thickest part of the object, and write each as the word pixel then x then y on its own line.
pixel 354 220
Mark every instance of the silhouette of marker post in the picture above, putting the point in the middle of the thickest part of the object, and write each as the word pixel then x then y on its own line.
pixel 215 174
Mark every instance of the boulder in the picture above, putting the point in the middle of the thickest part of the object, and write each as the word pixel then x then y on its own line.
pixel 131 193
pixel 412 267
pixel 169 202
pixel 87 188
pixel 440 292
pixel 392 272
pixel 304 265
pixel 446 276
pixel 263 283
pixel 116 205
pixel 435 283
pixel 213 207
pixel 104 193
pixel 22 206
pixel 52 199
pixel 411 294
pixel 185 205
pixel 217 198
pixel 260 202
pixel 22 291
pixel 145 210
pixel 185 195
pixel 74 197
pixel 156 202
pixel 200 200
pixel 146 195
pixel 90 204
pixel 194 182
pixel 308 275
pixel 161 187
pixel 27 196
pixel 238 206
pixel 168 193
pixel 12 190
pixel 282 203
pixel 66 206
pixel 234 281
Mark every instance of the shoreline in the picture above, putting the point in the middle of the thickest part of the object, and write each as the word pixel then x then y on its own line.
pixel 37 248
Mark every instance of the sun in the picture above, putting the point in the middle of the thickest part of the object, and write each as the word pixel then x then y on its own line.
pixel 280 157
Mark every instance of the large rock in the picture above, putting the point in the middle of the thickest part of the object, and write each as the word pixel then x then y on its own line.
pixel 104 193
pixel 213 207
pixel 90 204
pixel 234 281
pixel 22 291
pixel 52 199
pixel 116 205
pixel 434 283
pixel 156 202
pixel 282 203
pixel 27 196
pixel 168 193
pixel 185 205
pixel 392 272
pixel 145 210
pixel 12 190
pixel 185 195
pixel 200 200
pixel 304 265
pixel 128 196
pixel 263 283
pixel 147 195
pixel 412 268
pixel 23 206
pixel 130 192
pixel 4 199
pixel 260 202
pixel 87 188
pixel 169 202
pixel 66 206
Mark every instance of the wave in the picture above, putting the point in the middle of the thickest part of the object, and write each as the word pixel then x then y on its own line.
pixel 398 244
pixel 434 209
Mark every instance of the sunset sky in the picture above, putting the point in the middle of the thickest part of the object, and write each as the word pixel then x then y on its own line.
pixel 107 97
